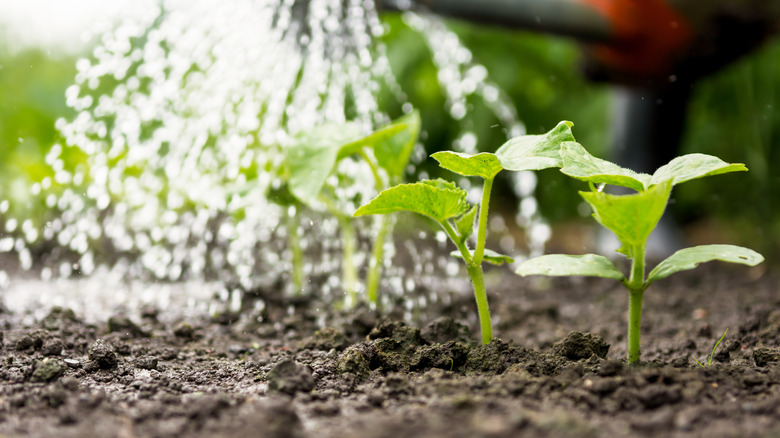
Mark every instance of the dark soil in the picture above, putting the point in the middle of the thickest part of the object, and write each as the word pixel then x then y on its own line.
pixel 558 368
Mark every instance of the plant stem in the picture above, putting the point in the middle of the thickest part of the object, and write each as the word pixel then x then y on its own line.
pixel 636 280
pixel 478 281
pixel 294 240
pixel 636 290
pixel 349 275
pixel 375 266
pixel 479 251
pixel 634 323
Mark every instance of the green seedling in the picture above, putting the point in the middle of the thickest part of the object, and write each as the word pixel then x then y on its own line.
pixel 712 353
pixel 632 218
pixel 446 203
pixel 312 160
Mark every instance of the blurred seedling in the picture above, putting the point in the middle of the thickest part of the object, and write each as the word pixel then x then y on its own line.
pixel 309 164
pixel 446 203
pixel 632 218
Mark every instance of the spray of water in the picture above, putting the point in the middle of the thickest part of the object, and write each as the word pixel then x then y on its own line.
pixel 181 108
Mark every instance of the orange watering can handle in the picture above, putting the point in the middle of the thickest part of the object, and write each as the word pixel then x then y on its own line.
pixel 649 36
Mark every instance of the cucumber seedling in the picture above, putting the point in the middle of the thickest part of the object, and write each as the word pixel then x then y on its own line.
pixel 632 218
pixel 312 160
pixel 446 203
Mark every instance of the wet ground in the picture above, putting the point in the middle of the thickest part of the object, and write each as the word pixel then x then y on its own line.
pixel 558 368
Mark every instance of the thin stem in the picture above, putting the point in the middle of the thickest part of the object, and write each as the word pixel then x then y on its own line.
pixel 478 281
pixel 634 323
pixel 636 289
pixel 349 275
pixel 479 251
pixel 294 240
pixel 375 266
pixel 636 279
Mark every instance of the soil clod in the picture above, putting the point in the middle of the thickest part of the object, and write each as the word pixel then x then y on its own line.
pixel 579 345
pixel 765 355
pixel 445 329
pixel 288 377
pixel 125 326
pixel 47 370
pixel 103 355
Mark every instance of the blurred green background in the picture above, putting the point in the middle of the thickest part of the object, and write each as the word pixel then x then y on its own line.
pixel 734 114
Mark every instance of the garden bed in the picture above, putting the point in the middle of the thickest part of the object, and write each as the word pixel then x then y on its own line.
pixel 558 368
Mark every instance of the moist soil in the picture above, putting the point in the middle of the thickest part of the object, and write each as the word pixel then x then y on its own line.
pixel 556 368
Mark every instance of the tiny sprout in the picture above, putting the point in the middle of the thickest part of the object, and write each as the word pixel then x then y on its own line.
pixel 712 353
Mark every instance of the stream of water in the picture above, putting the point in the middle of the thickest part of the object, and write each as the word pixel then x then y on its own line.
pixel 182 108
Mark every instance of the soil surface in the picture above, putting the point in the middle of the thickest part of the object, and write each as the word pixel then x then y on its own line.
pixel 556 369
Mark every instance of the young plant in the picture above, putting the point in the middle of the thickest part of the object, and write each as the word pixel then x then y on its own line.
pixel 712 353
pixel 632 218
pixel 312 160
pixel 445 203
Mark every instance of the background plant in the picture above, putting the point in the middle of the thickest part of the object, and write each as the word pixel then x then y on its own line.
pixel 632 218
pixel 311 161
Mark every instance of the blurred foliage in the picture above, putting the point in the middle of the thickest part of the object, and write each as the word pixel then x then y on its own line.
pixel 32 98
pixel 734 114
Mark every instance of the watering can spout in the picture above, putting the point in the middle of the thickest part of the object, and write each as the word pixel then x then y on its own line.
pixel 636 42
pixel 571 18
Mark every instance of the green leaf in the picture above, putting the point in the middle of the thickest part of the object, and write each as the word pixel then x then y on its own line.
pixel 559 265
pixel 465 224
pixel 692 166
pixel 437 199
pixel 281 195
pixel 489 256
pixel 393 152
pixel 631 217
pixel 485 164
pixel 377 137
pixel 314 154
pixel 580 164
pixel 535 152
pixel 689 258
